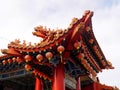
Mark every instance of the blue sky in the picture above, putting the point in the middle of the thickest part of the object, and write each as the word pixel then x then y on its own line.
pixel 19 17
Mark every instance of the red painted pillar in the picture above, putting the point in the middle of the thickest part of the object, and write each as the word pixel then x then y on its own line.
pixel 94 86
pixel 78 84
pixel 58 80
pixel 38 84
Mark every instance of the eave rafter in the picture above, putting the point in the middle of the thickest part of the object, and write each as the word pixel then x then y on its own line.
pixel 91 59
pixel 92 44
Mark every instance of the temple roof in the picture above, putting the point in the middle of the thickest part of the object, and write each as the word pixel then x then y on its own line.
pixel 78 45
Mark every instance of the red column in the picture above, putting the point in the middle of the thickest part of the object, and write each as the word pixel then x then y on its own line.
pixel 94 86
pixel 58 80
pixel 78 84
pixel 38 84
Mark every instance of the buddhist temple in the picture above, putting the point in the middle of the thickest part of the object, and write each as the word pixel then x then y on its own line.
pixel 68 59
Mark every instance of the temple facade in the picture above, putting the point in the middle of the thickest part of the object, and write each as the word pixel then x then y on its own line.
pixel 68 59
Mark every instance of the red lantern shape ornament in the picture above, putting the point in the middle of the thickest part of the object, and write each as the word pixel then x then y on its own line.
pixel 77 45
pixel 35 72
pixel 49 55
pixel 19 60
pixel 60 49
pixel 81 56
pixel 4 62
pixel 39 57
pixel 27 67
pixel 28 58
pixel 14 59
pixel 10 61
